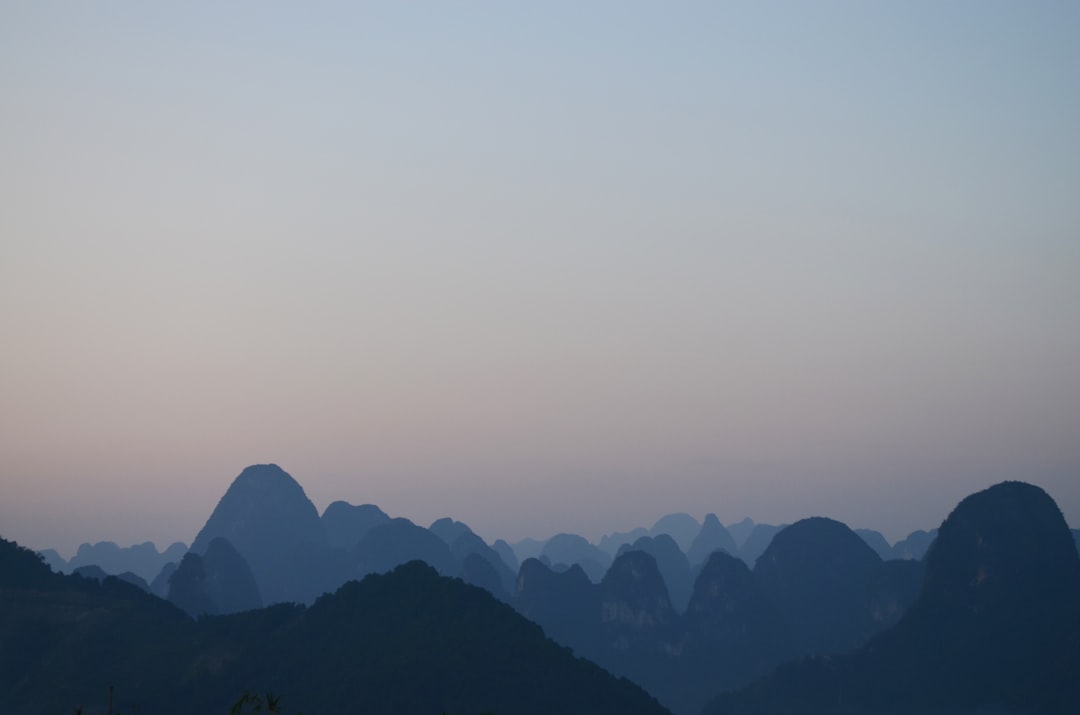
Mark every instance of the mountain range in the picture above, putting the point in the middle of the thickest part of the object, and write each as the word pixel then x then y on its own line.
pixel 687 618
pixel 995 628
pixel 409 641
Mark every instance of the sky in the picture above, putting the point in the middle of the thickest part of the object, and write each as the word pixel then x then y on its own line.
pixel 540 267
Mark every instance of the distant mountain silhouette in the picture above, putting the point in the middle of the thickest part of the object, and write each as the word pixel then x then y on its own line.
pixel 757 541
pixel 188 589
pixel 345 524
pixel 683 633
pixel 449 530
pixel 527 549
pixel 467 546
pixel 297 556
pixel 681 527
pixel 477 571
pixel 463 543
pixel 1076 538
pixel 267 517
pixel 98 574
pixel 672 564
pixel 996 628
pixel 711 537
pixel 217 583
pixel 633 593
pixel 638 624
pixel 399 541
pixel 566 603
pixel 140 559
pixel 824 579
pixel 610 543
pixel 55 561
pixel 91 571
pixel 726 597
pixel 506 553
pixel 740 530
pixel 877 542
pixel 407 642
pixel 732 633
pixel 160 585
pixel 820 587
pixel 572 549
pixel 625 622
pixel 915 545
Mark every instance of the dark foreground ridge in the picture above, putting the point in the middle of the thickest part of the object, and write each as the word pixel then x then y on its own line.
pixel 410 641
pixel 996 628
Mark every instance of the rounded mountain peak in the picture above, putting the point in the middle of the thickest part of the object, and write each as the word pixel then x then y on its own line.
pixel 267 517
pixel 819 573
pixel 817 539
pixel 634 589
pixel 265 500
pixel 1008 539
pixel 265 478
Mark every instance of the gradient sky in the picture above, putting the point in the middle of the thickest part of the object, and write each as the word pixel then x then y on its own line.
pixel 537 266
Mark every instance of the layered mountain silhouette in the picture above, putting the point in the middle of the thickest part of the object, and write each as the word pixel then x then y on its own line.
pixel 481 565
pixel 506 553
pixel 819 603
pixel 399 541
pixel 996 627
pixel 876 541
pixel 672 563
pixel 527 548
pixel 740 530
pixel 160 585
pixel 295 555
pixel 757 541
pixel 566 603
pixel 829 586
pixel 712 537
pixel 568 549
pixel 64 637
pixel 681 527
pixel 98 574
pixel 268 518
pixel 611 543
pixel 732 633
pixel 143 559
pixel 914 545
pixel 345 524
pixel 817 588
pixel 407 642
pixel 448 529
pixel 217 582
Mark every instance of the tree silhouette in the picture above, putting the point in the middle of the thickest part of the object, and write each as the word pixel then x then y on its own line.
pixel 254 703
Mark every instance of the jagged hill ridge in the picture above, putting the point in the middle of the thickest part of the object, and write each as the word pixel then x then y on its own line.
pixel 996 627
pixel 295 555
pixel 408 642
pixel 818 587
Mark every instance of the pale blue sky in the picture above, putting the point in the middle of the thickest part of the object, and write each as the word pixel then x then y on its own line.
pixel 540 267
